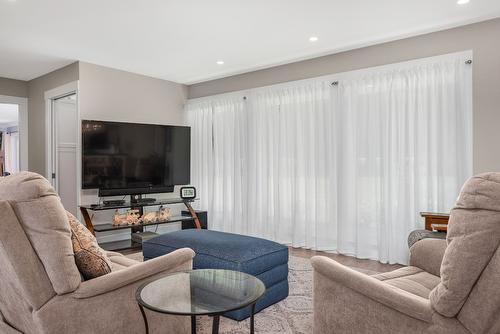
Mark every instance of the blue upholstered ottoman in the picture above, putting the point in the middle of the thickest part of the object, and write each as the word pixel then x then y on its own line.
pixel 262 258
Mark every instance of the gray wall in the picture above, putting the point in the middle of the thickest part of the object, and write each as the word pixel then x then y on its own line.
pixel 114 95
pixel 104 94
pixel 36 112
pixel 12 87
pixel 482 38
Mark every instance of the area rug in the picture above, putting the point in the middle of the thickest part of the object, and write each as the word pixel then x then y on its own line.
pixel 290 316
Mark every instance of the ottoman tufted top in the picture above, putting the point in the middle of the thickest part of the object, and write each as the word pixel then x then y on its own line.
pixel 221 250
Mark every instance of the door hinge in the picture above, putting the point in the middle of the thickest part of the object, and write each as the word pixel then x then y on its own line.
pixel 53 175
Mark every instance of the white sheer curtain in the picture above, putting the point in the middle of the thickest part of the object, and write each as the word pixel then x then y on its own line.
pixel 405 147
pixel 218 166
pixel 292 166
pixel 342 168
pixel 200 117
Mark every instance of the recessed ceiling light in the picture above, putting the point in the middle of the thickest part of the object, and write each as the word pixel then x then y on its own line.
pixel 220 62
pixel 463 2
pixel 313 39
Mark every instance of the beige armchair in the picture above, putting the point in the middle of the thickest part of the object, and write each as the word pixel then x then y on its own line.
pixel 41 290
pixel 451 286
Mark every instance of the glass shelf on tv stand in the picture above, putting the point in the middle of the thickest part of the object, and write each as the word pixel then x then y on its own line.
pixel 111 227
pixel 130 244
pixel 101 207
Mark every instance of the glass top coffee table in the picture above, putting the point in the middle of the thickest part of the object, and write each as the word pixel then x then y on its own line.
pixel 201 292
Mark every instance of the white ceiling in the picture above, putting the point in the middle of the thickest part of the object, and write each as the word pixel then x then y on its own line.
pixel 182 40
pixel 8 114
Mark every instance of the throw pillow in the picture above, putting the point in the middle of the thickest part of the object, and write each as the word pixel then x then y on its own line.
pixel 90 259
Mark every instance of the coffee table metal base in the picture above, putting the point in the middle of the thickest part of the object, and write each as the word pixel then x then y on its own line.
pixel 215 322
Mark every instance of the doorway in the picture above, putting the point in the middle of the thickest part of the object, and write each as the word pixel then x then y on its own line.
pixel 13 135
pixel 63 145
pixel 9 139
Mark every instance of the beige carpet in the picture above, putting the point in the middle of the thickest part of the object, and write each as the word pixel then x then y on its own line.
pixel 290 316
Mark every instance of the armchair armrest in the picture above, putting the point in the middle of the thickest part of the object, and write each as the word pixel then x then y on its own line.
pixel 180 259
pixel 427 254
pixel 395 298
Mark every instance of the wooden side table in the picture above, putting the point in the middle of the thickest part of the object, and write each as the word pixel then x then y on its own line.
pixel 436 221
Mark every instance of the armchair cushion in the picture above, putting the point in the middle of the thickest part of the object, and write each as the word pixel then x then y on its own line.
pixel 20 264
pixel 44 220
pixel 427 254
pixel 473 237
pixel 411 279
pixel 393 297
pixel 90 259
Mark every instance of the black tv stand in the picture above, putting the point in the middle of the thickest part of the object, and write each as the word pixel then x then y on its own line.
pixel 189 216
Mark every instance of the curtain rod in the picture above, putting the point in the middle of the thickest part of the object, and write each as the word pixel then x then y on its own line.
pixel 335 83
pixel 467 62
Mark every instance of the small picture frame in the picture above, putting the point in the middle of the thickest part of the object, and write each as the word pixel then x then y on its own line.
pixel 188 192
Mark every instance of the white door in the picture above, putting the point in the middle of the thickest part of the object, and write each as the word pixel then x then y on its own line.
pixel 64 151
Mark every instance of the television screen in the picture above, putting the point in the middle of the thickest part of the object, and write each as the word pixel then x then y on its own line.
pixel 145 157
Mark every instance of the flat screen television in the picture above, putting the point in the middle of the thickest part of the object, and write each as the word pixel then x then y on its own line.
pixel 130 158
